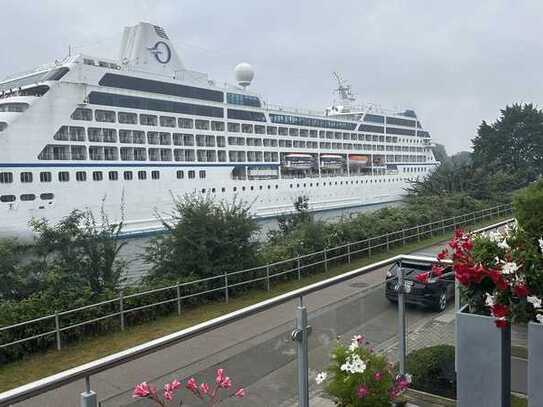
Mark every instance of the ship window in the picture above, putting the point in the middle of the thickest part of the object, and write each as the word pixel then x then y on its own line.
pixel 246 115
pixel 6 177
pixel 180 174
pixel 63 176
pixel 401 122
pixel 140 154
pixel 244 100
pixel 165 88
pixel 148 120
pixel 165 139
pixel 125 136
pixel 128 175
pixel 246 128
pixel 113 175
pixel 56 74
pixel 96 153
pixel 111 153
pixel 97 176
pixel 45 177
pixel 127 153
pixel 155 174
pixel 167 121
pixel 177 139
pixel 152 137
pixel 81 176
pixel 233 127
pixel 165 154
pixel 154 154
pixel 217 126
pixel 28 197
pixel 106 116
pixel 46 196
pixel 79 152
pixel 14 107
pixel 283 131
pixel 371 128
pixel 311 122
pixel 26 177
pixel 202 174
pixel 259 129
pixel 82 114
pixel 185 123
pixel 201 124
pixel 87 61
pixel 142 175
pixel 272 130
pixel 221 141
pixel 7 198
pixel 134 102
pixel 400 132
pixel 192 174
pixel 139 137
pixel 128 118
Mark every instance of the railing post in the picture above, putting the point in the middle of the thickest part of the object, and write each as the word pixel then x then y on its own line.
pixel 498 212
pixel 299 268
pixel 401 320
pixel 388 243
pixel 418 233
pixel 121 309
pixel 369 248
pixel 268 286
pixel 178 293
pixel 325 260
pixel 403 237
pixel 57 329
pixel 349 253
pixel 88 398
pixel 301 335
pixel 226 295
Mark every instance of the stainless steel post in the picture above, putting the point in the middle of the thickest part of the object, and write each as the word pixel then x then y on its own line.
pixel 349 253
pixel 121 309
pixel 325 260
pixel 300 336
pixel 226 296
pixel 178 293
pixel 268 278
pixel 57 329
pixel 388 243
pixel 299 268
pixel 88 398
pixel 401 320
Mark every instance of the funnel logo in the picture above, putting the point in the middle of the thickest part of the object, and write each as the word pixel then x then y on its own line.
pixel 162 52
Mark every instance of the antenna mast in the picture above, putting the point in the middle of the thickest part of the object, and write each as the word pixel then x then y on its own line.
pixel 344 89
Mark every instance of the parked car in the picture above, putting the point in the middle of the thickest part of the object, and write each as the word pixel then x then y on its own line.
pixel 432 292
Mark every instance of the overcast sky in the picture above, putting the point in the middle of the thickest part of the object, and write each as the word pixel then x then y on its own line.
pixel 454 62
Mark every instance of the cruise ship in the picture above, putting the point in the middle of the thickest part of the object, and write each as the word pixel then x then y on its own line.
pixel 129 135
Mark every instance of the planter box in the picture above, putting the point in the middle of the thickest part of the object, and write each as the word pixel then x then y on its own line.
pixel 483 362
pixel 535 365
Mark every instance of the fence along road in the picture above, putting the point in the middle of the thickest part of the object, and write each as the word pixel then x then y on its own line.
pixel 261 275
pixel 119 372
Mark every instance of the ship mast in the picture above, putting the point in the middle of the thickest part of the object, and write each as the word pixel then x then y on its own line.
pixel 344 90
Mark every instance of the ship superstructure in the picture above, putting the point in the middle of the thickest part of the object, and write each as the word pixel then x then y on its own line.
pixel 127 135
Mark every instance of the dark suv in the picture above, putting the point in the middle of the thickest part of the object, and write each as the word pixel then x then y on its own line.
pixel 431 292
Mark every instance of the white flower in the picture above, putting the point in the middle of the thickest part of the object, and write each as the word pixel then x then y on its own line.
pixel 503 244
pixel 353 364
pixel 355 343
pixel 321 377
pixel 490 300
pixel 536 302
pixel 509 268
pixel 540 241
pixel 539 318
pixel 494 236
pixel 408 377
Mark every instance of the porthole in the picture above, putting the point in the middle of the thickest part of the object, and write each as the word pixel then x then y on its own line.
pixel 28 197
pixel 7 198
pixel 46 196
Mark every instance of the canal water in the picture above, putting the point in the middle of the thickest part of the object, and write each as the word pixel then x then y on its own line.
pixel 134 248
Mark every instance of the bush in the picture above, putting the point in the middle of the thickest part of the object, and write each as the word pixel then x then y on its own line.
pixel 432 370
pixel 528 208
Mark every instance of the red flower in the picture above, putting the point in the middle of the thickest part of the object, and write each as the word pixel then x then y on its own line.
pixel 499 310
pixel 501 323
pixel 521 290
pixel 192 385
pixel 422 277
pixel 443 254
pixel 437 270
pixel 362 391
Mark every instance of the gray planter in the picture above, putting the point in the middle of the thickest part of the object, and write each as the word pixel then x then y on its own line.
pixel 535 365
pixel 483 362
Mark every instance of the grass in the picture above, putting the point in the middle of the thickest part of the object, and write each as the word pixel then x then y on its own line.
pixel 39 365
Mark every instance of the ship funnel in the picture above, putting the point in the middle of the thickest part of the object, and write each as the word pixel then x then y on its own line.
pixel 147 47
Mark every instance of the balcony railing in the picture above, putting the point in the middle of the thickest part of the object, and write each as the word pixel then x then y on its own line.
pixel 257 338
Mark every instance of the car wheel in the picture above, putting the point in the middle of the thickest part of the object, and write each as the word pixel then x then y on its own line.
pixel 442 302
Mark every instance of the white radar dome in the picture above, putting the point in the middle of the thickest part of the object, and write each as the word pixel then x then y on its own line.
pixel 244 74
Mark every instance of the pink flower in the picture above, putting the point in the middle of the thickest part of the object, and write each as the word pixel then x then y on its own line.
pixel 141 390
pixel 173 386
pixel 220 376
pixel 377 376
pixel 204 388
pixel 241 393
pixel 362 391
pixel 359 339
pixel 192 385
pixel 226 383
pixel 168 395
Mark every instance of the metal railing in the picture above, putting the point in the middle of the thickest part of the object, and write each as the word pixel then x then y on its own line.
pixel 259 276
pixel 299 334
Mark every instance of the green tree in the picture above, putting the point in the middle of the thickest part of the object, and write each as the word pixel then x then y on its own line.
pixel 204 239
pixel 18 281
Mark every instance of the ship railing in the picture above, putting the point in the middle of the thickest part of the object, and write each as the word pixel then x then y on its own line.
pixel 223 286
pixel 290 109
pixel 307 319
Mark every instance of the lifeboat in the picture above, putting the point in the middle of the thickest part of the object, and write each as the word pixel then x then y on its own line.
pixel 358 160
pixel 332 161
pixel 298 161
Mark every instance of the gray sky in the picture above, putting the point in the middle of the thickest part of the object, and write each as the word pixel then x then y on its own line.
pixel 455 62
